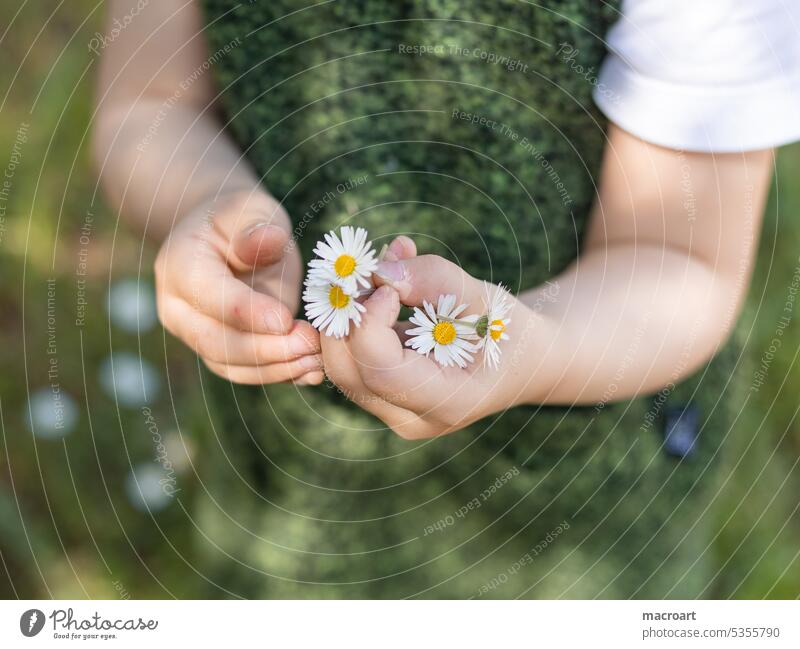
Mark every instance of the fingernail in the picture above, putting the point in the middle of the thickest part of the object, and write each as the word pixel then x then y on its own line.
pixel 311 362
pixel 274 322
pixel 391 271
pixel 300 345
pixel 252 229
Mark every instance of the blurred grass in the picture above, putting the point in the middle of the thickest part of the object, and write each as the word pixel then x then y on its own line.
pixel 67 526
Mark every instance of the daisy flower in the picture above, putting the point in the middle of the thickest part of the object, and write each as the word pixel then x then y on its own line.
pixel 439 330
pixel 491 328
pixel 330 308
pixel 348 261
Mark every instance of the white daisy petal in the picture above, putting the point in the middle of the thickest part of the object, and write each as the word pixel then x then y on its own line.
pixel 347 259
pixel 458 310
pixel 330 308
pixel 429 310
pixel 498 305
pixel 446 303
pixel 436 332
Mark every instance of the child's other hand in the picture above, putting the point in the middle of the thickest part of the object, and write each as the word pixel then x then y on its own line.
pixel 228 282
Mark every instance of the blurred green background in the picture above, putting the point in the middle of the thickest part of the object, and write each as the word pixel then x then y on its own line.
pixel 83 510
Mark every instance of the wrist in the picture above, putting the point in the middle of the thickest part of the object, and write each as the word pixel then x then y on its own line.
pixel 531 372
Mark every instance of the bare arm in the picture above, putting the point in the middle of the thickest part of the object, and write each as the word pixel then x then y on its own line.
pixel 157 143
pixel 227 277
pixel 662 276
pixel 659 282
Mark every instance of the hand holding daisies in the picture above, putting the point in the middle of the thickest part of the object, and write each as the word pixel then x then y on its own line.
pixel 341 274
pixel 421 380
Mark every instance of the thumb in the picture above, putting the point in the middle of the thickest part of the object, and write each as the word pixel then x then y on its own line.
pixel 375 343
pixel 261 243
pixel 427 277
pixel 255 227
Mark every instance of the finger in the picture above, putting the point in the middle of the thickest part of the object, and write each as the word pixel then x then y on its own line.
pixel 259 375
pixel 254 226
pixel 398 374
pixel 401 328
pixel 427 277
pixel 203 280
pixel 376 336
pixel 215 342
pixel 340 367
pixel 260 244
pixel 312 378
pixel 401 248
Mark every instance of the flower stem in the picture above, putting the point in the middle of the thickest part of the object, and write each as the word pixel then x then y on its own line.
pixel 467 323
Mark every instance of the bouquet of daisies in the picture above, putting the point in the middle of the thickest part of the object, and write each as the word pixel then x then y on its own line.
pixel 342 273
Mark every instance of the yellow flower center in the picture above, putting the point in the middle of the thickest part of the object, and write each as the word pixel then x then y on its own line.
pixel 338 298
pixel 444 333
pixel 344 265
pixel 496 329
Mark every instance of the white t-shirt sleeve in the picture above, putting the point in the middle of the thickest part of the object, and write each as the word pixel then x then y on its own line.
pixel 704 75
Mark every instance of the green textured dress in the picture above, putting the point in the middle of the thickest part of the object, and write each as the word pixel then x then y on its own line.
pixel 462 125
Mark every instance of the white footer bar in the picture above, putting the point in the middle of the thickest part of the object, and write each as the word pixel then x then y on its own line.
pixel 401 624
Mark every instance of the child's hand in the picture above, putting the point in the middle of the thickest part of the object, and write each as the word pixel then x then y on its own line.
pixel 228 283
pixel 412 394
